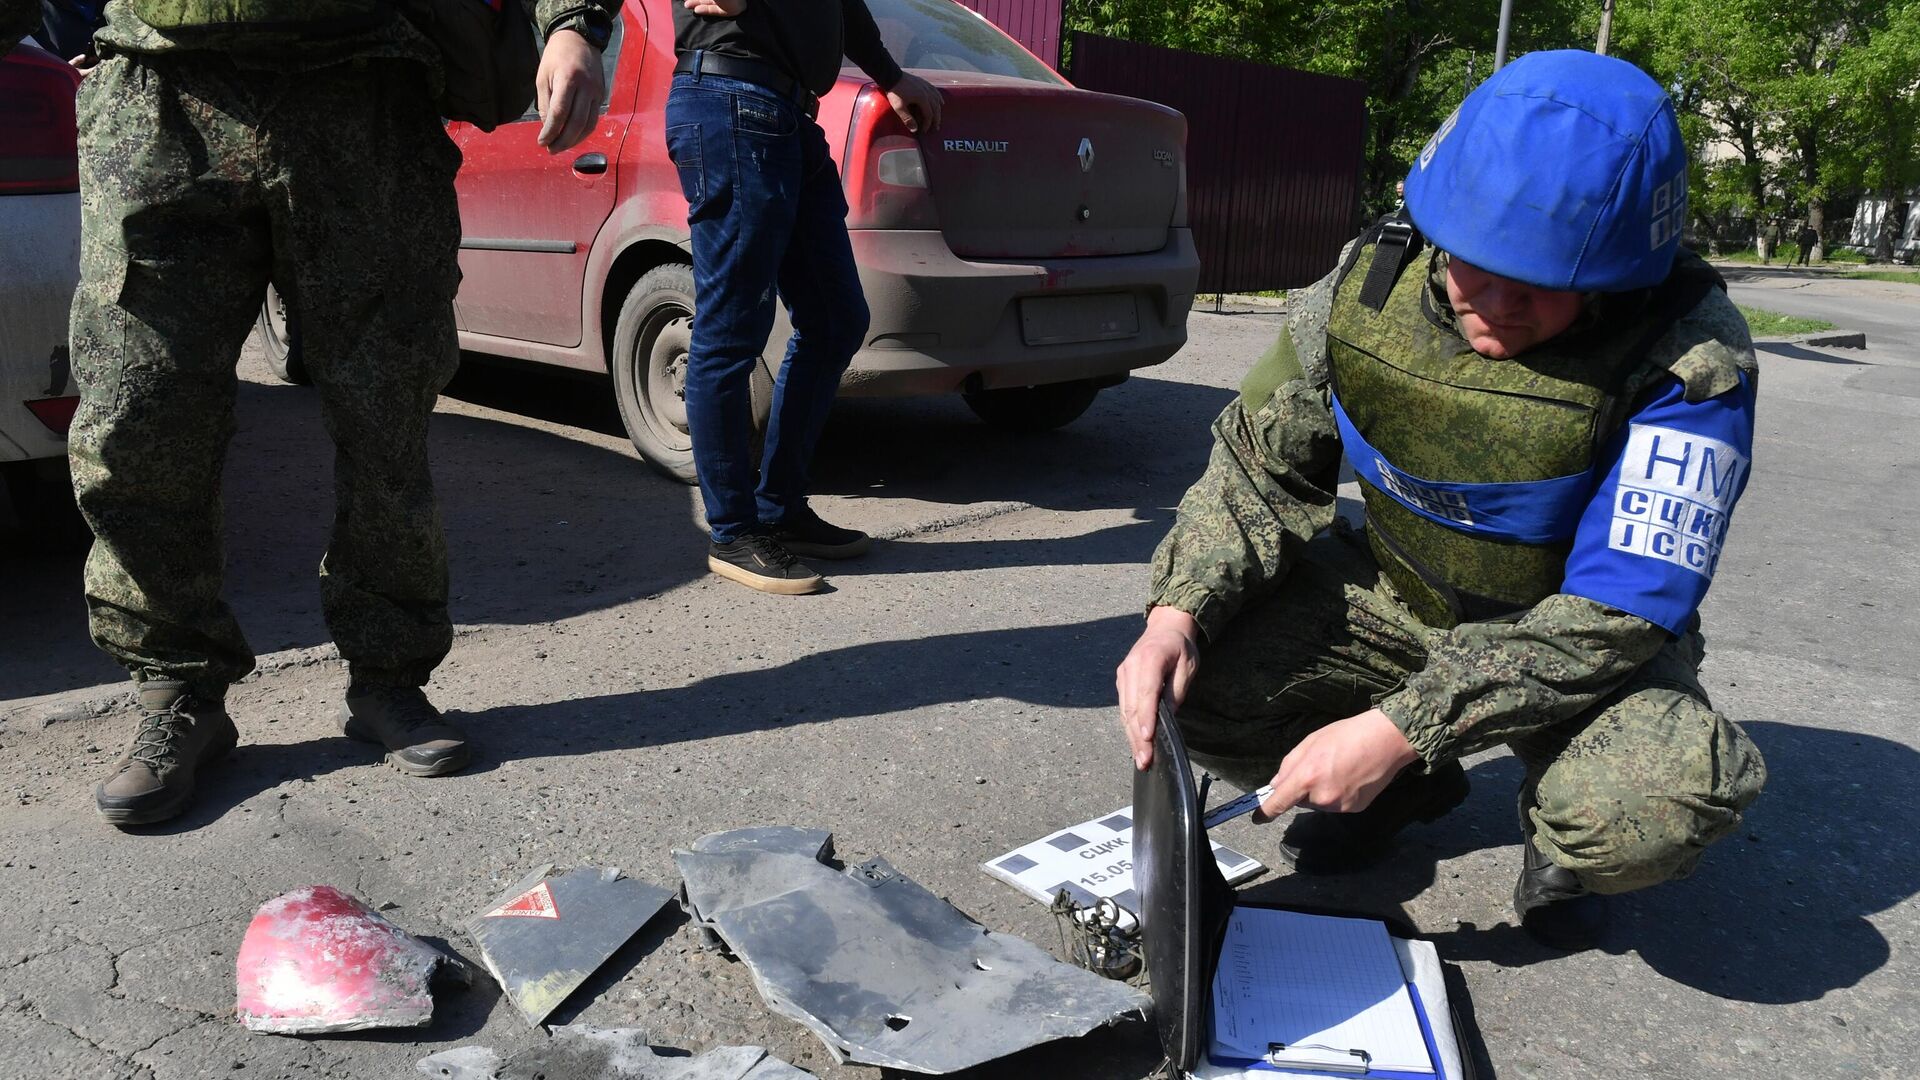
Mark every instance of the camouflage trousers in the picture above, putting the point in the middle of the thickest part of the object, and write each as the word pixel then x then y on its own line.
pixel 200 182
pixel 1627 795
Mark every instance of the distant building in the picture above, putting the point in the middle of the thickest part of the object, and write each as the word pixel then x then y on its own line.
pixel 1871 213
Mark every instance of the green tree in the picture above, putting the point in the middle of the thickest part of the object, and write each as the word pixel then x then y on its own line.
pixel 1418 58
pixel 1878 84
pixel 1760 78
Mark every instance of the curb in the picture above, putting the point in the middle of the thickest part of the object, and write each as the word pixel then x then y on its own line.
pixel 1822 339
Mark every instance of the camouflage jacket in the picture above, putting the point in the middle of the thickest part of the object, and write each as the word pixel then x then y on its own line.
pixel 1269 487
pixel 125 33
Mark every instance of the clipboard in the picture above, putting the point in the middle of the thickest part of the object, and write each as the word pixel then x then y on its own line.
pixel 1184 908
pixel 1362 1069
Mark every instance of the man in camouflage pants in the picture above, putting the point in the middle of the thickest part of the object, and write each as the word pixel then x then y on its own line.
pixel 215 156
pixel 1550 417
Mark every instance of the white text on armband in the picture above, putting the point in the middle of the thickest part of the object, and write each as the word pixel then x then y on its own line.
pixel 1674 492
pixel 1451 505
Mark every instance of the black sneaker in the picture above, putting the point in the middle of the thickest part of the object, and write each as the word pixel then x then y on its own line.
pixel 758 561
pixel 419 741
pixel 1554 908
pixel 1324 842
pixel 179 734
pixel 805 534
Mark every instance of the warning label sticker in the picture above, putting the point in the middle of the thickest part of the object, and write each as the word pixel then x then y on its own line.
pixel 535 903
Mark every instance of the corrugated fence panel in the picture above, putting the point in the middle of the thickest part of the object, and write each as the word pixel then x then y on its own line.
pixel 1033 23
pixel 1273 156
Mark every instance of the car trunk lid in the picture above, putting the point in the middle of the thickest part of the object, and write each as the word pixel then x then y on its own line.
pixel 1023 170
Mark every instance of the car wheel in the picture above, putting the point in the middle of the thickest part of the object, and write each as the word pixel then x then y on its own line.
pixel 280 339
pixel 42 494
pixel 1033 408
pixel 650 370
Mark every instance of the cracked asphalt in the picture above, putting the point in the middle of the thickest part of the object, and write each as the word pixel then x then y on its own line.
pixel 950 699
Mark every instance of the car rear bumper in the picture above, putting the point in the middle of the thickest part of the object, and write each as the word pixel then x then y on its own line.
pixel 39 267
pixel 943 323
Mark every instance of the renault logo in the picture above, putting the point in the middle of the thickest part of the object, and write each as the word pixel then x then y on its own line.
pixel 1086 155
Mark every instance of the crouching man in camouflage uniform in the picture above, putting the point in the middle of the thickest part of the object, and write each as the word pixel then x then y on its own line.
pixel 1550 416
pixel 222 145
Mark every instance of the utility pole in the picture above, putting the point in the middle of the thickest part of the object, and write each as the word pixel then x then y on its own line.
pixel 1506 25
pixel 1606 26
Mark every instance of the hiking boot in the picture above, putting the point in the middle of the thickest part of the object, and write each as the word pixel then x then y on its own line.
pixel 1324 842
pixel 179 734
pixel 758 561
pixel 804 533
pixel 1554 908
pixel 419 741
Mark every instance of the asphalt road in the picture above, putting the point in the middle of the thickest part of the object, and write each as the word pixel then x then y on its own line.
pixel 950 699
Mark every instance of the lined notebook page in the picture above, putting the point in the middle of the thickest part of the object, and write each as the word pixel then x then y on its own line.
pixel 1317 984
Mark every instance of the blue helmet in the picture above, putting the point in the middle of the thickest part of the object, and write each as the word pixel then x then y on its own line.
pixel 1564 170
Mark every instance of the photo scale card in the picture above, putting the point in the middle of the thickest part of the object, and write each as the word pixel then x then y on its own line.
pixel 1094 860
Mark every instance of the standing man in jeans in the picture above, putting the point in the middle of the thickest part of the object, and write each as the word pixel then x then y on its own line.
pixel 766 211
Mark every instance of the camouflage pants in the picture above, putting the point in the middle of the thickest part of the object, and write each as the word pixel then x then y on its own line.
pixel 1627 795
pixel 199 183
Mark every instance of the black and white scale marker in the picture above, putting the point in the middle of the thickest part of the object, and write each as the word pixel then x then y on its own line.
pixel 1093 860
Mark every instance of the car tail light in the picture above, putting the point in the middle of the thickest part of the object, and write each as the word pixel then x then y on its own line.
pixel 886 175
pixel 55 412
pixel 37 139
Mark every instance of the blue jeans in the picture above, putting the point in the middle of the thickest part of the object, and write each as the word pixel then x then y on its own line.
pixel 766 211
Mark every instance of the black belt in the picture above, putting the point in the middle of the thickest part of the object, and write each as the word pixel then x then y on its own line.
pixel 701 62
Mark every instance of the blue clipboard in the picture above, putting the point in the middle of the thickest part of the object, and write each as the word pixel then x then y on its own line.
pixel 1426 1034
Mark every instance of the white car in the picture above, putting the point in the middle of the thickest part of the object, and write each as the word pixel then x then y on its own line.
pixel 39 268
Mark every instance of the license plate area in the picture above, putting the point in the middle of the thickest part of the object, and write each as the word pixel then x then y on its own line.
pixel 1063 320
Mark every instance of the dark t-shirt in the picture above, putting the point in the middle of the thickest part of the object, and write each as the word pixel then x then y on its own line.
pixel 804 38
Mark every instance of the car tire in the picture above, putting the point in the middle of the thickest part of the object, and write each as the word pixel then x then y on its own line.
pixel 42 494
pixel 649 365
pixel 1033 408
pixel 280 339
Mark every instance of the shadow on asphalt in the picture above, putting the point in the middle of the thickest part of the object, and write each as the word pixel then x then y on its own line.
pixel 543 526
pixel 1777 912
pixel 1061 666
pixel 1799 352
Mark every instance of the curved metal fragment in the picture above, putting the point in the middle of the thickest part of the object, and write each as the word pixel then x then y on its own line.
pixel 317 960
pixel 883 971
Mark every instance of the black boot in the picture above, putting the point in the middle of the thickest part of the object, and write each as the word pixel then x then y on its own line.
pixel 1554 908
pixel 179 734
pixel 1324 842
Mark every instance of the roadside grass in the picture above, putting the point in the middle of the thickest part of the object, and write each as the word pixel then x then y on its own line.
pixel 1786 254
pixel 1909 277
pixel 1764 323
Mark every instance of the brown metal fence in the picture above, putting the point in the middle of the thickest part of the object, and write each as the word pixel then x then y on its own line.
pixel 1273 156
pixel 1033 23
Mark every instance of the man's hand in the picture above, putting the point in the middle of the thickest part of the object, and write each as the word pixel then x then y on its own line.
pixel 567 90
pixel 84 63
pixel 916 102
pixel 1161 662
pixel 724 9
pixel 1341 767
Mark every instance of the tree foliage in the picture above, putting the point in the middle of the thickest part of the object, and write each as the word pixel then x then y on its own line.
pixel 1785 106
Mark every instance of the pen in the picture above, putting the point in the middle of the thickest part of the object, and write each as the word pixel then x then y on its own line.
pixel 1245 804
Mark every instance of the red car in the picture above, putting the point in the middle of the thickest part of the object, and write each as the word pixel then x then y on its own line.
pixel 1030 252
